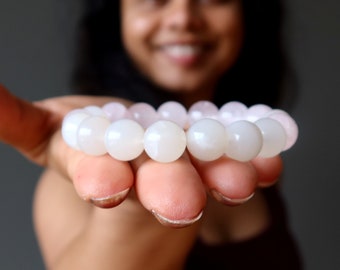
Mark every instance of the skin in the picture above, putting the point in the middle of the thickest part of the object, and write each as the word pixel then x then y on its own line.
pixel 212 29
pixel 84 217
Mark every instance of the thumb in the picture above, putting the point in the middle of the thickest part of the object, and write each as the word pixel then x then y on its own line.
pixel 25 126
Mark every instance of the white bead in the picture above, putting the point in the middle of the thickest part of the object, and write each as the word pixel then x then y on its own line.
pixel 274 137
pixel 207 139
pixel 70 126
pixel 245 140
pixel 173 111
pixel 91 133
pixel 164 141
pixel 124 139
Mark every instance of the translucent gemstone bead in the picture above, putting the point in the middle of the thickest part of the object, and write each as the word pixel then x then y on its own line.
pixel 95 111
pixel 164 141
pixel 207 139
pixel 143 113
pixel 202 109
pixel 115 111
pixel 173 111
pixel 245 140
pixel 257 111
pixel 231 112
pixel 274 137
pixel 70 126
pixel 124 139
pixel 288 123
pixel 91 134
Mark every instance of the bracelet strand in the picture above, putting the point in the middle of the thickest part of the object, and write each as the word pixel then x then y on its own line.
pixel 208 133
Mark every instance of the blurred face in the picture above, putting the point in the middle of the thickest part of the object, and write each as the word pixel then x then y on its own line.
pixel 183 45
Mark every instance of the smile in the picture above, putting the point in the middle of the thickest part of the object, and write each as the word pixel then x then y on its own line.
pixel 185 55
pixel 182 50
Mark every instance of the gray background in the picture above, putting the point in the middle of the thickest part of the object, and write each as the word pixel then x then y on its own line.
pixel 35 60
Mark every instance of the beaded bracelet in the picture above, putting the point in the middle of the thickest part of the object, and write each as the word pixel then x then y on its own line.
pixel 208 133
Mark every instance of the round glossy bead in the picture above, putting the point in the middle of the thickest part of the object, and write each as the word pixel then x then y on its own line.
pixel 274 137
pixel 115 111
pixel 164 141
pixel 70 126
pixel 207 139
pixel 124 139
pixel 232 111
pixel 91 134
pixel 245 140
pixel 257 111
pixel 173 111
pixel 289 125
pixel 143 113
pixel 202 109
pixel 95 111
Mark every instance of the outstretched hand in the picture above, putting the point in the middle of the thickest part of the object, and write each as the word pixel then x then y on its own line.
pixel 175 193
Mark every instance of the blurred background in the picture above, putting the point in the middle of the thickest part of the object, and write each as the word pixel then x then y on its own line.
pixel 36 46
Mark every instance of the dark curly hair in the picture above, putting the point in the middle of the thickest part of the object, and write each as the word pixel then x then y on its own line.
pixel 103 68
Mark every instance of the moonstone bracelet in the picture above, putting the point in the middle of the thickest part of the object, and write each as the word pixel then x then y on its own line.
pixel 208 133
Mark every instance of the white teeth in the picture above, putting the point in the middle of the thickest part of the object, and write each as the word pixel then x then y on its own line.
pixel 181 50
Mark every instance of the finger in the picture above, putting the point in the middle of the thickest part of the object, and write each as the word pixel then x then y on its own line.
pixel 173 192
pixel 101 180
pixel 23 125
pixel 268 170
pixel 229 181
pixel 31 128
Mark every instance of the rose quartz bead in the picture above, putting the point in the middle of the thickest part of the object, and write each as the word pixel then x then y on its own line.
pixel 257 111
pixel 173 111
pixel 115 111
pixel 91 134
pixel 207 139
pixel 289 125
pixel 164 141
pixel 143 113
pixel 95 110
pixel 202 109
pixel 245 140
pixel 274 137
pixel 232 111
pixel 124 139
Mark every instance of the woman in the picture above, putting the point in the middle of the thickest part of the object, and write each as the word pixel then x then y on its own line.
pixel 174 49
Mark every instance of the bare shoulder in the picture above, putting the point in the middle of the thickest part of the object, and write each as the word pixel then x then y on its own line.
pixel 59 214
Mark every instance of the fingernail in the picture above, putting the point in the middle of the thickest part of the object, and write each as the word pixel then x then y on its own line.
pixel 110 201
pixel 265 184
pixel 178 223
pixel 229 201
